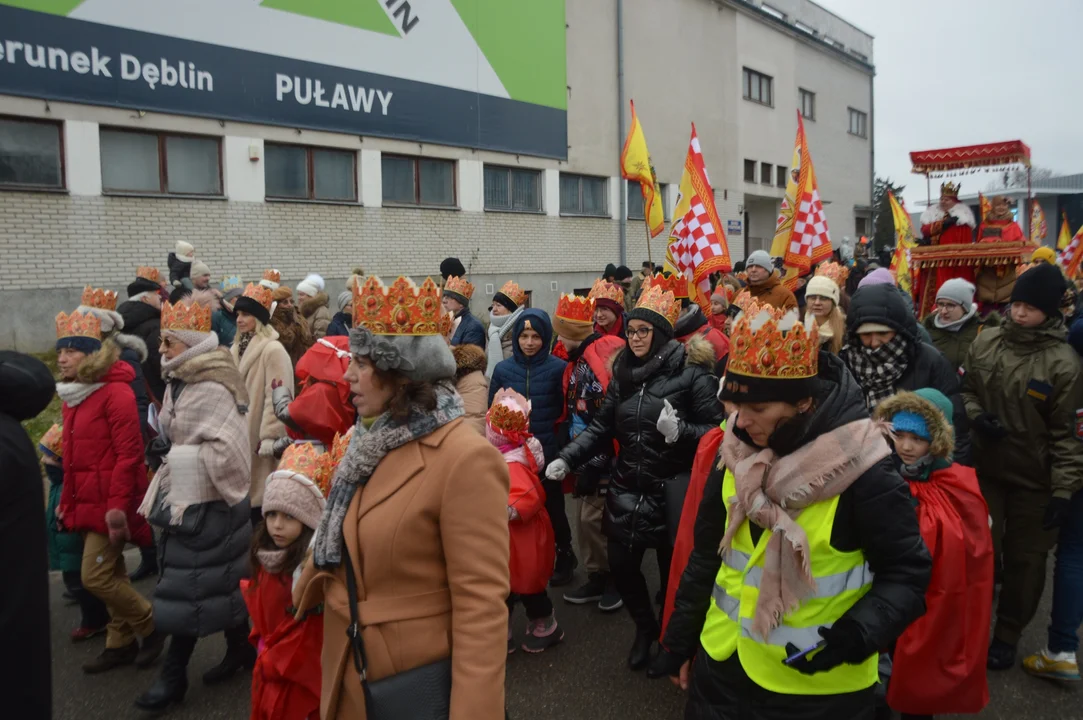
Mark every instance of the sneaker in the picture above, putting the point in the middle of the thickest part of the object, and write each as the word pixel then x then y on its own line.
pixel 112 658
pixel 1001 655
pixel 80 634
pixel 542 635
pixel 610 600
pixel 1055 666
pixel 564 569
pixel 153 645
pixel 590 591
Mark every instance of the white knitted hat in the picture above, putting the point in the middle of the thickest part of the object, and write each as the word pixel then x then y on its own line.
pixel 293 494
pixel 823 286
pixel 184 251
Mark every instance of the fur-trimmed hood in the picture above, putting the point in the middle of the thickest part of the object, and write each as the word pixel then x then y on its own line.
pixel 468 359
pixel 959 211
pixel 699 352
pixel 98 363
pixel 133 343
pixel 941 431
pixel 314 303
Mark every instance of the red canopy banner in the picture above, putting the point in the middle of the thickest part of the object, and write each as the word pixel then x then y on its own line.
pixel 1010 152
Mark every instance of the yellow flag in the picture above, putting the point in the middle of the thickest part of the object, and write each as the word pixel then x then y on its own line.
pixel 1065 236
pixel 636 165
pixel 904 241
pixel 984 206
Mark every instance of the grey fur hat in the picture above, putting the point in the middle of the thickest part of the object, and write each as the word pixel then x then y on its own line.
pixel 421 358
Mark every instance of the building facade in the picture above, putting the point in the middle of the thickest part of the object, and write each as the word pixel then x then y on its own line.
pixel 279 153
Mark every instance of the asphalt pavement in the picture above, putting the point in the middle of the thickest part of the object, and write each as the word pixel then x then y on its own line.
pixel 583 677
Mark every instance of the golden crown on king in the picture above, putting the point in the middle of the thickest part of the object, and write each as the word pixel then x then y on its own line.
pixel 186 316
pixel 515 293
pixel 835 272
pixel 402 309
pixel 261 294
pixel 950 189
pixel 676 284
pixel 575 308
pixel 99 298
pixel 459 286
pixel 603 290
pixel 149 273
pixel 305 460
pixel 78 325
pixel 661 302
pixel 767 343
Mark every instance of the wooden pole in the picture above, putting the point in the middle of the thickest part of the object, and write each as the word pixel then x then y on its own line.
pixel 647 227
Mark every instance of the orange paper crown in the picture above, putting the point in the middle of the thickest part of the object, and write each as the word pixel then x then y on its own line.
pixel 186 316
pixel 78 325
pixel 515 293
pixel 272 276
pixel 337 452
pixel 510 418
pixel 447 324
pixel 402 309
pixel 603 290
pixel 459 286
pixel 305 460
pixel 676 284
pixel 575 308
pixel 950 189
pixel 149 273
pixel 660 302
pixel 263 295
pixel 743 299
pixel 834 271
pixel 760 348
pixel 98 298
pixel 53 440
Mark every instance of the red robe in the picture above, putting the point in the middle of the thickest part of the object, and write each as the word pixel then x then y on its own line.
pixel 286 678
pixel 533 548
pixel 322 408
pixel 962 233
pixel 999 231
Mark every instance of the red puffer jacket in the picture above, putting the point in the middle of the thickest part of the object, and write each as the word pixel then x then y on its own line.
pixel 103 457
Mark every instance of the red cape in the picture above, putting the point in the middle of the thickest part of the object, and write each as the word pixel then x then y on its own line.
pixel 533 549
pixel 322 408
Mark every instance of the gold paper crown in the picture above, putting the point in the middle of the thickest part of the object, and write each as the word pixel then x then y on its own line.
pixel 835 272
pixel 186 316
pixel 53 440
pixel 603 290
pixel 402 309
pixel 98 298
pixel 515 293
pixel 78 325
pixel 506 419
pixel 338 451
pixel 272 276
pixel 743 299
pixel 676 284
pixel 305 460
pixel 447 322
pixel 460 286
pixel 950 189
pixel 760 349
pixel 259 293
pixel 661 302
pixel 149 273
pixel 575 308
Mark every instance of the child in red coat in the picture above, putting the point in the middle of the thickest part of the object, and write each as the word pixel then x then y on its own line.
pixel 286 678
pixel 533 549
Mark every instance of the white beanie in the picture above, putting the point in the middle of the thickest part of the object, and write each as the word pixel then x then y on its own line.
pixel 312 285
pixel 200 268
pixel 294 494
pixel 184 251
pixel 822 286
pixel 959 291
pixel 762 259
pixel 111 320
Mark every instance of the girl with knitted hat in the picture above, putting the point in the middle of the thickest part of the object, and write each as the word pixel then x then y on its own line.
pixel 507 427
pixel 939 661
pixel 822 307
pixel 286 677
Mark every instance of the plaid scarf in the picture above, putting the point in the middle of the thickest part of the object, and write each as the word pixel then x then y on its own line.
pixel 877 370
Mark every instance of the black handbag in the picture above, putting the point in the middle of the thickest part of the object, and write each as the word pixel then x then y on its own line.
pixel 422 693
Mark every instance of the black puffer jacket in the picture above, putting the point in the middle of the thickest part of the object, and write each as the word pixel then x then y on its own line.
pixel 874 515
pixel 635 510
pixel 927 367
pixel 145 322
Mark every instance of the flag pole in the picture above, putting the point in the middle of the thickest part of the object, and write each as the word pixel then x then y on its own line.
pixel 647 227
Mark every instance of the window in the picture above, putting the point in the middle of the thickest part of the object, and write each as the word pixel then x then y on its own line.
pixel 860 56
pixel 30 154
pixel 808 103
pixel 804 28
pixel 758 87
pixel 780 176
pixel 305 173
pixel 765 173
pixel 859 123
pixel 834 43
pixel 773 12
pixel 750 171
pixel 582 195
pixel 418 181
pixel 636 209
pixel 512 189
pixel 861 226
pixel 160 163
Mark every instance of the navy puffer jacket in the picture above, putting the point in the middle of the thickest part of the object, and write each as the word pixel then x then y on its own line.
pixel 539 379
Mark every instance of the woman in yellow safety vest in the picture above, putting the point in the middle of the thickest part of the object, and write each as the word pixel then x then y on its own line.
pixel 788 623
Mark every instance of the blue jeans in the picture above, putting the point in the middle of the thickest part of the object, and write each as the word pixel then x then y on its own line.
pixel 1067 613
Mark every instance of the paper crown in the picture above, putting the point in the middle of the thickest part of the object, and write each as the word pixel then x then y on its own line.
pixel 305 460
pixel 186 316
pixel 575 308
pixel 835 272
pixel 460 286
pixel 53 441
pixel 509 414
pixel 767 343
pixel 272 276
pixel 660 302
pixel 515 293
pixel 149 273
pixel 98 298
pixel 603 290
pixel 950 189
pixel 260 294
pixel 676 284
pixel 232 282
pixel 78 325
pixel 447 324
pixel 402 309
pixel 338 447
pixel 743 299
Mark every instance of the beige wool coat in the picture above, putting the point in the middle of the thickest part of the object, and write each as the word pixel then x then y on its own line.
pixel 264 360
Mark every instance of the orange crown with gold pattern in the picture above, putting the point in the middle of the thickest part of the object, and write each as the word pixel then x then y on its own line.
pixel 835 272
pixel 766 343
pixel 338 451
pixel 261 294
pixel 447 324
pixel 510 415
pixel 575 308
pixel 743 299
pixel 402 309
pixel 78 325
pixel 603 290
pixel 99 298
pixel 186 316
pixel 950 190
pixel 460 286
pixel 308 462
pixel 513 292
pixel 660 302
pixel 676 284
pixel 272 275
pixel 52 442
pixel 149 273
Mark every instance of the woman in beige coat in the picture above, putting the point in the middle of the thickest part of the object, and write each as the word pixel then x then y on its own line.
pixel 261 359
pixel 417 512
pixel 472 384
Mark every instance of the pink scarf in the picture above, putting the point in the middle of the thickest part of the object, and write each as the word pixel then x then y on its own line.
pixel 773 490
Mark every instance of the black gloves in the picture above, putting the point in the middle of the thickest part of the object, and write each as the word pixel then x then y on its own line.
pixel 845 644
pixel 156 451
pixel 989 425
pixel 1056 512
pixel 949 222
pixel 665 664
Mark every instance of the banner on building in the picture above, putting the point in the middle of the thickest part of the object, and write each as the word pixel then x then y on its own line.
pixel 801 234
pixel 636 166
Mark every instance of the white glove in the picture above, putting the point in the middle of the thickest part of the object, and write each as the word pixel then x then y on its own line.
pixel 669 424
pixel 266 448
pixel 513 514
pixel 557 470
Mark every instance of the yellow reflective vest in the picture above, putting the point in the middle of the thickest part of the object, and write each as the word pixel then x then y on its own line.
pixel 841 579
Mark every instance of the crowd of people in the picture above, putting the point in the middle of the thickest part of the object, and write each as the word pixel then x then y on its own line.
pixel 359 499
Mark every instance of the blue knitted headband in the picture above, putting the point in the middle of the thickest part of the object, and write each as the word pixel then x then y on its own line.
pixel 911 422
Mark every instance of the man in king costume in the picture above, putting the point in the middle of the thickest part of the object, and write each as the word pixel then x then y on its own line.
pixel 949 222
pixel 999 225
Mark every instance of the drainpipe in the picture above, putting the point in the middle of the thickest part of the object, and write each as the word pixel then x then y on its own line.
pixel 621 131
pixel 872 156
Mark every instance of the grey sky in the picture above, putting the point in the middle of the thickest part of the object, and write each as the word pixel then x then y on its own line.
pixel 964 72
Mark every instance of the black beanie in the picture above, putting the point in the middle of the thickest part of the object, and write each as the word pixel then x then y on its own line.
pixel 623 273
pixel 662 328
pixel 253 308
pixel 452 267
pixel 142 285
pixel 1041 286
pixel 610 271
pixel 505 301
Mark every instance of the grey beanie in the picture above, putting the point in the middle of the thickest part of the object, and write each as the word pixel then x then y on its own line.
pixel 420 358
pixel 959 291
pixel 762 259
pixel 344 298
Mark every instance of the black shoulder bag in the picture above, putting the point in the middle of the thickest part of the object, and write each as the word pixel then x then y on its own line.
pixel 422 693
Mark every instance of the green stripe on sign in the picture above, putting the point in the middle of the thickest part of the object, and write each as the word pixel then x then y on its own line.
pixel 53 7
pixel 363 14
pixel 524 42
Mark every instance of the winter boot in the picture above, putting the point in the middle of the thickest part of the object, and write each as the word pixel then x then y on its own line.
pixel 153 645
pixel 640 654
pixel 611 600
pixel 590 591
pixel 564 568
pixel 542 634
pixel 148 564
pixel 112 658
pixel 239 654
pixel 171 685
pixel 1001 655
pixel 1055 666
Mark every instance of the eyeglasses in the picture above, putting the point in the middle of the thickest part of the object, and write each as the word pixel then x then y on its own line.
pixel 946 304
pixel 642 333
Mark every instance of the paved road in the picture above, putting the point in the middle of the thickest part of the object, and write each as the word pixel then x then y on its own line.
pixel 585 677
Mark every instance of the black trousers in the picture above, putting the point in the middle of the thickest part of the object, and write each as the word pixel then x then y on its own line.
pixel 93 612
pixel 181 647
pixel 625 565
pixel 554 505
pixel 537 606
